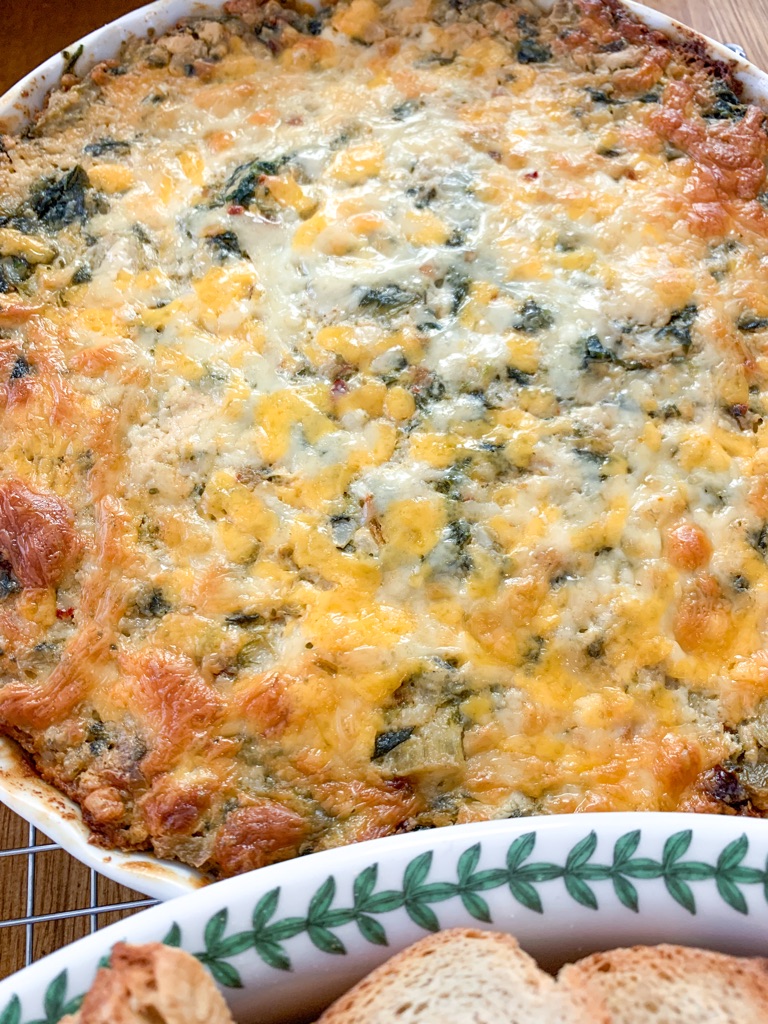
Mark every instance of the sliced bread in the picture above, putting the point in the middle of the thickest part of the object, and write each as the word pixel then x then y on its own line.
pixel 152 984
pixel 673 985
pixel 463 976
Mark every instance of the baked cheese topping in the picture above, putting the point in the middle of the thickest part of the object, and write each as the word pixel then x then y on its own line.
pixel 382 426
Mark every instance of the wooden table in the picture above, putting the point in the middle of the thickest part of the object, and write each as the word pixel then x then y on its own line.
pixel 32 30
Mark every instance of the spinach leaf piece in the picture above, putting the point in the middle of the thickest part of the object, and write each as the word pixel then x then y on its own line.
pixel 61 201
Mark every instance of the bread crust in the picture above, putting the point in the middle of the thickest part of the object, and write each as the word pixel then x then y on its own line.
pixel 460 974
pixel 424 983
pixel 152 984
pixel 673 983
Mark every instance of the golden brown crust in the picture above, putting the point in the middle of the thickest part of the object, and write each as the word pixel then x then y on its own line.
pixel 729 159
pixel 260 834
pixel 177 706
pixel 385 463
pixel 27 706
pixel 37 535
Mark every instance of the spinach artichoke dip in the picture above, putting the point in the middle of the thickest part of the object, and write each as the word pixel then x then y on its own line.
pixel 383 444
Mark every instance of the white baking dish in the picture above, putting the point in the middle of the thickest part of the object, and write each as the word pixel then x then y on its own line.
pixel 285 940
pixel 20 789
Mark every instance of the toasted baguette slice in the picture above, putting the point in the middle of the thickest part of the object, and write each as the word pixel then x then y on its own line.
pixel 673 985
pixel 463 976
pixel 152 984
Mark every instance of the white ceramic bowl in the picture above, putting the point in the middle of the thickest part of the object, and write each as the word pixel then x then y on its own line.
pixel 285 940
pixel 20 789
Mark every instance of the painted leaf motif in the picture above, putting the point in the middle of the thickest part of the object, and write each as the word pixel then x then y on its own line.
pixel 476 906
pixel 224 973
pixel 539 872
pixel 676 846
pixel 285 929
pixel 581 892
pixel 214 931
pixel 732 896
pixel 365 883
pixel 746 876
pixel 383 902
pixel 519 850
pixel 321 901
pixel 173 938
pixel 434 893
pixel 626 892
pixel 73 1005
pixel 325 939
pixel 235 944
pixel 265 909
pixel 336 918
pixel 520 876
pixel 490 879
pixel 592 872
pixel 12 1013
pixel 681 893
pixel 525 893
pixel 422 916
pixel 642 867
pixel 468 861
pixel 625 847
pixel 371 930
pixel 581 852
pixel 273 955
pixel 733 854
pixel 55 995
pixel 691 871
pixel 416 872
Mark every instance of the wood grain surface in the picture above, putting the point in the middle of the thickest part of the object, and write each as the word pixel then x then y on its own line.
pixel 59 884
pixel 32 31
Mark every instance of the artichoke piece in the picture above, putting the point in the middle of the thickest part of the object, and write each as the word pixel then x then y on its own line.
pixel 435 747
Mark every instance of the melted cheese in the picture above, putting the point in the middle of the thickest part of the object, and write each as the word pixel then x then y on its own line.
pixel 405 379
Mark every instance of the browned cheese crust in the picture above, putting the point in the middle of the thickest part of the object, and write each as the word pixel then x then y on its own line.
pixel 381 417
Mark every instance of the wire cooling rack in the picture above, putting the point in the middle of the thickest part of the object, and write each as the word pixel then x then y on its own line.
pixel 47 898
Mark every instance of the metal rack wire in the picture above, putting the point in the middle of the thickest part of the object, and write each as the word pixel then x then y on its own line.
pixel 47 905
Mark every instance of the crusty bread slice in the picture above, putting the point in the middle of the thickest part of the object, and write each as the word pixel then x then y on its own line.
pixel 673 985
pixel 463 976
pixel 152 984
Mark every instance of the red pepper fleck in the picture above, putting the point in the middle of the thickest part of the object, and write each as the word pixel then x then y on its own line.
pixel 339 387
pixel 235 210
pixel 296 119
pixel 531 175
pixel 65 613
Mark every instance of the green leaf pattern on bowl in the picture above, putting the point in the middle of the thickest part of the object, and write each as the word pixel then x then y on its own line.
pixel 524 877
